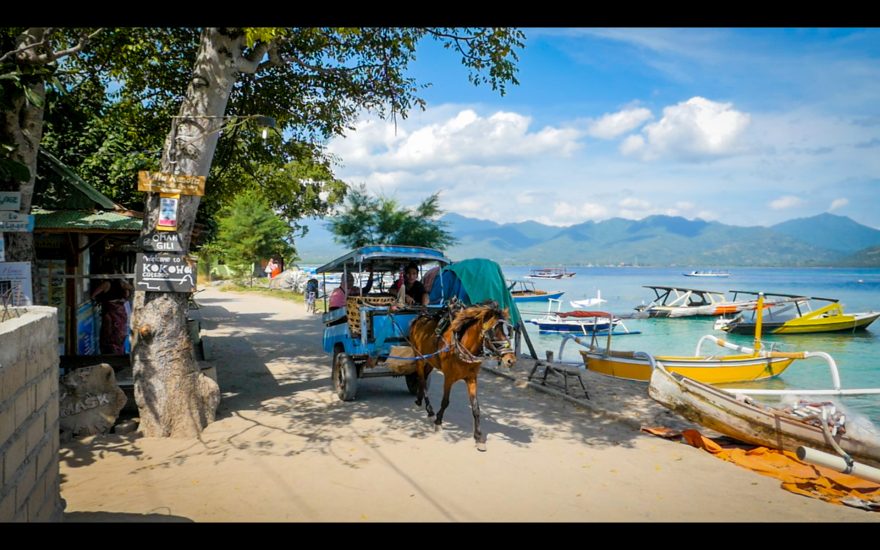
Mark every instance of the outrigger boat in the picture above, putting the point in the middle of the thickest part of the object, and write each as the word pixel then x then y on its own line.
pixel 674 301
pixel 550 273
pixel 750 364
pixel 525 291
pixel 584 322
pixel 730 412
pixel 707 274
pixel 794 314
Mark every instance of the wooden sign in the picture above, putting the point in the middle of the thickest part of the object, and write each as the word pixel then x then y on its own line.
pixel 164 272
pixel 13 221
pixel 161 182
pixel 161 242
pixel 10 200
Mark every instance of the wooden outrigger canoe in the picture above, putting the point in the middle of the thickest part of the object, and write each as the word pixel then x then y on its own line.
pixel 748 421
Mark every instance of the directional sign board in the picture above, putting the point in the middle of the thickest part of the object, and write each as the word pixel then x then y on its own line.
pixel 162 182
pixel 13 221
pixel 10 200
pixel 164 272
pixel 161 242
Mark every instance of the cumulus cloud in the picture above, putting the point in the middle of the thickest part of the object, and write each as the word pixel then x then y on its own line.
pixel 788 201
pixel 631 202
pixel 838 203
pixel 463 138
pixel 692 130
pixel 569 213
pixel 615 124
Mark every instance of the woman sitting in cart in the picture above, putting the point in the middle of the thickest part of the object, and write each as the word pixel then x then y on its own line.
pixel 346 288
pixel 415 290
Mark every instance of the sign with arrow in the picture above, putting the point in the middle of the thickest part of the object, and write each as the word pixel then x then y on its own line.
pixel 164 272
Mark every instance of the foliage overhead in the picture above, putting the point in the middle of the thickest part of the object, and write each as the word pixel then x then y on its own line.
pixel 112 105
pixel 381 220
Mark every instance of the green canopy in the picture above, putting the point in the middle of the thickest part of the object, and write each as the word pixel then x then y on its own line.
pixel 483 280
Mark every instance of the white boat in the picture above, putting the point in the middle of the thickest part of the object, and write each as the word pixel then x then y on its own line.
pixel 582 322
pixel 707 274
pixel 588 302
pixel 673 301
pixel 550 273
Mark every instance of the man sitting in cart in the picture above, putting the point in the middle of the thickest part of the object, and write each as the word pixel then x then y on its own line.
pixel 346 288
pixel 415 290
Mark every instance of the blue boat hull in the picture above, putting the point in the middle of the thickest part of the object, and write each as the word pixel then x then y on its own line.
pixel 538 298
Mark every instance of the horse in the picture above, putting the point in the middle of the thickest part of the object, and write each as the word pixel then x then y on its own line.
pixel 453 348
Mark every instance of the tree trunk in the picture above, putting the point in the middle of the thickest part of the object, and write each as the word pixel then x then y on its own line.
pixel 174 398
pixel 22 127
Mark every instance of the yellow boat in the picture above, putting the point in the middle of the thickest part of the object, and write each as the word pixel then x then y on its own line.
pixel 793 314
pixel 750 364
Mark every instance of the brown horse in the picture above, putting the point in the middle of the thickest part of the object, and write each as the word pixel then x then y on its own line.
pixel 454 353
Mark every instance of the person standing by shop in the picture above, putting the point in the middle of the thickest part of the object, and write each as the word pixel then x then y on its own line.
pixel 113 295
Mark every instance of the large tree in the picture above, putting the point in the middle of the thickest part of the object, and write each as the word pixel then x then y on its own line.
pixel 28 59
pixel 367 219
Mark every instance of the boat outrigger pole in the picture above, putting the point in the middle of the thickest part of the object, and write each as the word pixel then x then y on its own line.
pixel 759 321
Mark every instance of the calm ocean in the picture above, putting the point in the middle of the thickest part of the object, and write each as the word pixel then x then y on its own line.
pixel 856 354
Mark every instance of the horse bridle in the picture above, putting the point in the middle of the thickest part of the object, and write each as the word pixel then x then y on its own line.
pixel 498 348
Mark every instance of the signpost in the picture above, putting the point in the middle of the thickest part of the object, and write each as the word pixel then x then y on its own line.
pixel 161 242
pixel 10 200
pixel 13 221
pixel 164 272
pixel 162 182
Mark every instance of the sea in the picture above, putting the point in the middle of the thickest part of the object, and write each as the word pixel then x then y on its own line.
pixel 857 354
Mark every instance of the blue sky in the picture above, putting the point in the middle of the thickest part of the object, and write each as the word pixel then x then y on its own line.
pixel 741 126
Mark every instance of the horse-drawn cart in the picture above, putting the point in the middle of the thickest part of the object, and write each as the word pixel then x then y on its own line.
pixel 362 335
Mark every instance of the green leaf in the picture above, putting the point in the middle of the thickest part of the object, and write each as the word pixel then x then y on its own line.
pixel 12 170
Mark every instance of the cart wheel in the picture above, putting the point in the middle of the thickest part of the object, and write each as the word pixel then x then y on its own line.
pixel 345 377
pixel 412 383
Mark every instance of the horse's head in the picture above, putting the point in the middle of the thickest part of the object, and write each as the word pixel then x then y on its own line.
pixel 496 340
pixel 489 330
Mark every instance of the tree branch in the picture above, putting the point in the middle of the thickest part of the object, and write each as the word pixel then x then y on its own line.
pixel 84 40
pixel 249 64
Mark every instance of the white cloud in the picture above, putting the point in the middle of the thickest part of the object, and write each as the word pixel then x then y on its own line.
pixel 632 144
pixel 614 124
pixel 838 203
pixel 567 213
pixel 631 202
pixel 788 201
pixel 695 129
pixel 502 138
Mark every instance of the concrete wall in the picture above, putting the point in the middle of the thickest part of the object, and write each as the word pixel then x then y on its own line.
pixel 29 481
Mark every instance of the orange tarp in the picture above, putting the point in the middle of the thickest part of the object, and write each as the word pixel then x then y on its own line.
pixel 798 477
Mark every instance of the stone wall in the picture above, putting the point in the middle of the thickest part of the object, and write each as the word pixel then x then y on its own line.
pixel 29 480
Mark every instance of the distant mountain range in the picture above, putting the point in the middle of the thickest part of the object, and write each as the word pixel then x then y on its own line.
pixel 823 240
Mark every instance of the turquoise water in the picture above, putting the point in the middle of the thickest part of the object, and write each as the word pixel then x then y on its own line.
pixel 856 354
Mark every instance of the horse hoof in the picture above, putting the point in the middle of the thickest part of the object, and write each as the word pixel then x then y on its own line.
pixel 481 446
